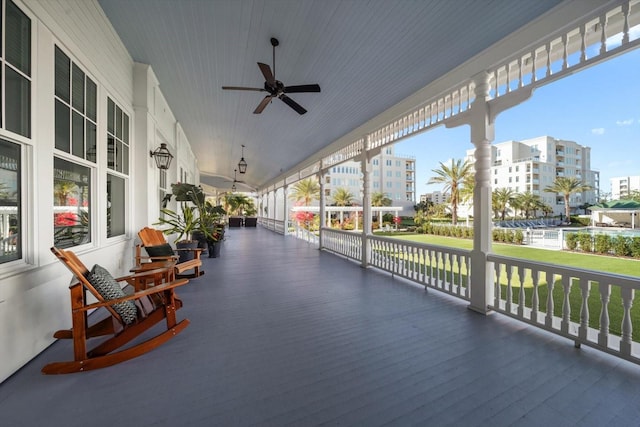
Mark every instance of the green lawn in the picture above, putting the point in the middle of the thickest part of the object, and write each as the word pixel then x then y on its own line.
pixel 630 267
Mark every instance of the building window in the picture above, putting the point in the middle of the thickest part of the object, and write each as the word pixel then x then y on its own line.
pixel 72 203
pixel 15 70
pixel 117 138
pixel 116 203
pixel 388 162
pixel 75 109
pixel 10 202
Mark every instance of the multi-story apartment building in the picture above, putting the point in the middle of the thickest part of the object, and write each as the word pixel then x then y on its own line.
pixel 393 175
pixel 534 164
pixel 436 197
pixel 622 186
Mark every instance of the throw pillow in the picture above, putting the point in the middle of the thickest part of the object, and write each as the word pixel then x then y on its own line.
pixel 110 289
pixel 163 250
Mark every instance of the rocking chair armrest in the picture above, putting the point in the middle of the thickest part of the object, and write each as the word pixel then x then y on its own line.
pixel 156 258
pixel 131 277
pixel 138 294
pixel 189 249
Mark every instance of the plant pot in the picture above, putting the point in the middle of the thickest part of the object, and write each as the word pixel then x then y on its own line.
pixel 214 249
pixel 202 241
pixel 186 255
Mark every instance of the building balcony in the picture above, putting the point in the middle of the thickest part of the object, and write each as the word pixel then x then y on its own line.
pixel 308 338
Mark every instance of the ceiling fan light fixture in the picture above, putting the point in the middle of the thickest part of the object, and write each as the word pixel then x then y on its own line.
pixel 242 164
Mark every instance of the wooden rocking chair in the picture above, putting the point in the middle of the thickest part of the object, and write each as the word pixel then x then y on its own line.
pixel 158 249
pixel 129 316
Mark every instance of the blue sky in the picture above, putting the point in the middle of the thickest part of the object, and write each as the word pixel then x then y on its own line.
pixel 598 107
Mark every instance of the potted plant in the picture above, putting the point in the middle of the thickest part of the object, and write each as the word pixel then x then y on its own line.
pixel 185 223
pixel 212 226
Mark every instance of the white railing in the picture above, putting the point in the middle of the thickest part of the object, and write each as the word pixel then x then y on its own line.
pixel 442 268
pixel 445 269
pixel 274 225
pixel 345 243
pixel 595 310
pixel 303 233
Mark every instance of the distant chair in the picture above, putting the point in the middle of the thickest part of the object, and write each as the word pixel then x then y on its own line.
pixel 250 221
pixel 235 221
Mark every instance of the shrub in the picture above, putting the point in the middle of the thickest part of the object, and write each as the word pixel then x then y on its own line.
pixel 621 246
pixel 635 247
pixel 518 237
pixel 585 243
pixel 602 244
pixel 572 241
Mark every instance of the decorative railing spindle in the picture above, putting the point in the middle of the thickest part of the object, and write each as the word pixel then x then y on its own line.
pixel 627 328
pixel 605 294
pixel 566 306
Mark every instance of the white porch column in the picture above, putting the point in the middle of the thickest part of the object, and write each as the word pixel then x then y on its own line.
pixel 482 133
pixel 321 212
pixel 365 167
pixel 285 202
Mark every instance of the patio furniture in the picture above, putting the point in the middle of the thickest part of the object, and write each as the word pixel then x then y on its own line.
pixel 128 316
pixel 158 249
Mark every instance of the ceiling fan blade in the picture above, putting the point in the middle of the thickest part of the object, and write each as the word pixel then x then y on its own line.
pixel 257 89
pixel 266 72
pixel 262 105
pixel 293 104
pixel 301 88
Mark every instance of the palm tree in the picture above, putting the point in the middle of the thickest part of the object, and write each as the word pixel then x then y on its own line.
pixel 238 204
pixel 528 202
pixel 306 190
pixel 342 197
pixel 503 198
pixel 380 199
pixel 452 177
pixel 567 186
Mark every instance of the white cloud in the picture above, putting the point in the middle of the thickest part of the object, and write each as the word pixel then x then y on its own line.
pixel 624 122
pixel 597 131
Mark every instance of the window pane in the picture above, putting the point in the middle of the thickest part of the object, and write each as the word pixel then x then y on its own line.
pixel 63 129
pixel 92 149
pixel 18 39
pixel 118 122
pixel 118 156
pixel 18 103
pixel 78 88
pixel 110 117
pixel 115 205
pixel 10 205
pixel 92 99
pixel 125 128
pixel 111 152
pixel 63 76
pixel 71 199
pixel 78 135
pixel 125 159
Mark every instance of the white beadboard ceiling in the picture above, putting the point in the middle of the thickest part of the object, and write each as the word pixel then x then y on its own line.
pixel 366 55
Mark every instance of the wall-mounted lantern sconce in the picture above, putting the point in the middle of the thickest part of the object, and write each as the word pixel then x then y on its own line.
pixel 162 156
pixel 242 164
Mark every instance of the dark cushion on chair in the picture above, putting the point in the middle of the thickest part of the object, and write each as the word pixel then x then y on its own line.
pixel 110 289
pixel 160 250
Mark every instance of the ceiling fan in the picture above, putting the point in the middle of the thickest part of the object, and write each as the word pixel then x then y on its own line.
pixel 276 88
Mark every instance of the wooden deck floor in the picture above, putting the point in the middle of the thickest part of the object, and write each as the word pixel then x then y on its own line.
pixel 283 334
